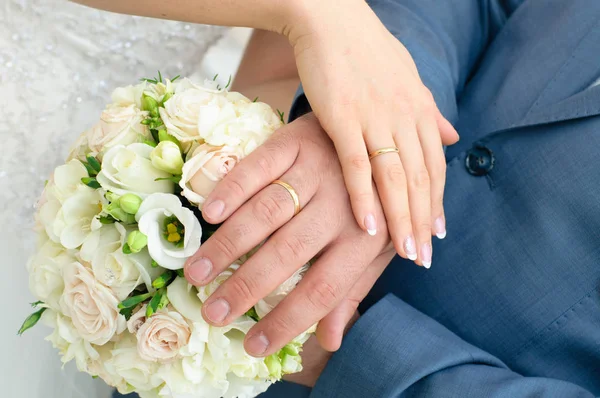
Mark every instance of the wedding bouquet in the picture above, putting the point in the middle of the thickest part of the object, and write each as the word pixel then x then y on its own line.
pixel 116 224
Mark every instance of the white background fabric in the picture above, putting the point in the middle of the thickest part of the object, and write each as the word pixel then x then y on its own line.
pixel 58 63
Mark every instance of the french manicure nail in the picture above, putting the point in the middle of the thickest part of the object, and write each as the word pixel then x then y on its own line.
pixel 199 270
pixel 371 224
pixel 439 226
pixel 214 209
pixel 257 344
pixel 426 255
pixel 217 311
pixel 410 248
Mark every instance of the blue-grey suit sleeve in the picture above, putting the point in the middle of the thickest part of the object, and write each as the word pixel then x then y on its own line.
pixel 396 351
pixel 445 39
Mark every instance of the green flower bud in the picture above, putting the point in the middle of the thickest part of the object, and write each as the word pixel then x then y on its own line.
pixel 163 135
pixel 167 96
pixel 130 203
pixel 119 214
pixel 163 280
pixel 136 241
pixel 149 104
pixel 31 321
pixel 111 196
pixel 274 365
pixel 167 157
pixel 292 349
pixel 291 364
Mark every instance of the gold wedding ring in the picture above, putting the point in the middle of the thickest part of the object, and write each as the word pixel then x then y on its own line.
pixel 292 193
pixel 383 151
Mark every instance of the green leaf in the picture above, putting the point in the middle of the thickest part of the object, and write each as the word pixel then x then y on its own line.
pixel 36 303
pixel 252 314
pixel 158 301
pixel 94 163
pixel 31 321
pixel 159 77
pixel 146 122
pixel 174 179
pixel 90 169
pixel 175 78
pixel 163 280
pixel 154 133
pixel 180 273
pixel 127 249
pixel 91 182
pixel 215 78
pixel 150 142
pixel 281 115
pixel 154 264
pixel 255 99
pixel 135 300
pixel 127 312
pixel 228 82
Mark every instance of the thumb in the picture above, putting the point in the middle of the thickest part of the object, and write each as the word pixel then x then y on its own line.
pixel 447 132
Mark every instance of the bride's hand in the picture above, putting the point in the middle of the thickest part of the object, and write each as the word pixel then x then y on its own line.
pixel 253 210
pixel 365 90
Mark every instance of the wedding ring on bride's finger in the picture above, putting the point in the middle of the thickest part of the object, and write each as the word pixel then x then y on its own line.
pixel 292 193
pixel 382 151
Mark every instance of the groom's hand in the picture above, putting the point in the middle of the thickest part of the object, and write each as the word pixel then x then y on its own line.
pixel 253 209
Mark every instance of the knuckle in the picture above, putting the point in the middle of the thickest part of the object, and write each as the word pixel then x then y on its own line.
pixel 235 187
pixel 322 295
pixel 403 222
pixel 267 209
pixel 243 288
pixel 289 248
pixel 394 174
pixel 225 245
pixel 358 162
pixel 361 197
pixel 420 180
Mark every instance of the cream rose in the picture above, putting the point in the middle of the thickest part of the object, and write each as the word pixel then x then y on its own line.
pixel 119 125
pixel 91 306
pixel 174 233
pixel 162 336
pixel 127 365
pixel 181 112
pixel 266 305
pixel 103 249
pixel 129 95
pixel 45 273
pixel 204 169
pixel 128 169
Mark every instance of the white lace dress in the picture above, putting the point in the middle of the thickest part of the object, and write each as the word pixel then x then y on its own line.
pixel 58 63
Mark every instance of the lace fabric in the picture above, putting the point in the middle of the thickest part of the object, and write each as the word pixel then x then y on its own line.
pixel 59 61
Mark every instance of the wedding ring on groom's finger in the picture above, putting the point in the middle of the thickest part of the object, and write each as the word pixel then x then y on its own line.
pixel 382 151
pixel 292 193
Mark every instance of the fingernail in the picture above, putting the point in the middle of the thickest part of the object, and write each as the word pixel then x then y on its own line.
pixel 257 344
pixel 410 248
pixel 426 255
pixel 199 270
pixel 214 209
pixel 371 224
pixel 217 311
pixel 439 226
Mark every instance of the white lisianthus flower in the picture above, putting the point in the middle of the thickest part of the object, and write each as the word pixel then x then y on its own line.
pixel 128 169
pixel 103 249
pixel 67 340
pixel 127 365
pixel 119 125
pixel 167 157
pixel 205 291
pixel 204 169
pixel 71 223
pixel 184 298
pixel 162 336
pixel 45 273
pixel 265 305
pixel 174 233
pixel 92 307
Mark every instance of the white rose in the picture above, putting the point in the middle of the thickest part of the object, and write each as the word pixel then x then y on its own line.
pixel 129 95
pixel 265 305
pixel 45 273
pixel 162 336
pixel 67 340
pixel 181 112
pixel 128 169
pixel 207 166
pixel 119 125
pixel 103 249
pixel 174 233
pixel 134 371
pixel 92 307
pixel 205 291
pixel 244 125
